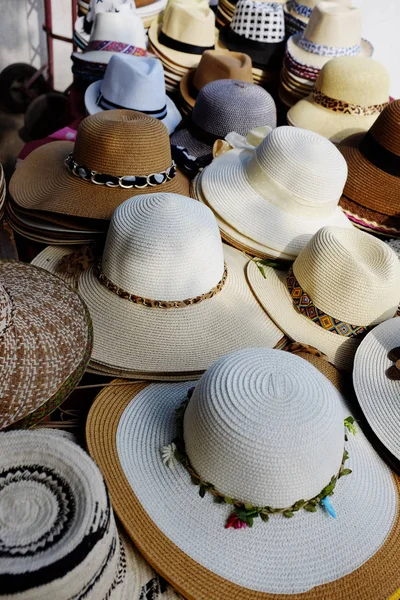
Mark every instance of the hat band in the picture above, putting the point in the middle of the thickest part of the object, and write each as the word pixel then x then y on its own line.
pixel 301 9
pixel 165 40
pixel 109 46
pixel 126 182
pixel 322 50
pixel 101 101
pixel 160 303
pixel 300 69
pixel 379 156
pixel 306 307
pixel 201 135
pixel 345 107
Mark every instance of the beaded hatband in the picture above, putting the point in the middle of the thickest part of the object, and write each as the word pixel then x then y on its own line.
pixel 301 9
pixel 345 107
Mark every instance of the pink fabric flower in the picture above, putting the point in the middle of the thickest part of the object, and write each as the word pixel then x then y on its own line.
pixel 235 522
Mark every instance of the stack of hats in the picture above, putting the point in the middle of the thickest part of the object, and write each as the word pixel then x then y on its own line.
pixel 257 29
pixel 187 30
pixel 297 14
pixel 226 10
pixel 3 191
pixel 83 7
pixel 65 193
pixel 334 30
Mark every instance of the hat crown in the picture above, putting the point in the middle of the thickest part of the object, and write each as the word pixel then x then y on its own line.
pixel 265 428
pixel 303 162
pixel 222 64
pixel 119 27
pixel 5 310
pixel 163 247
pixel 227 105
pixel 334 24
pixel 350 275
pixel 110 6
pixel 116 142
pixel 386 129
pixel 259 21
pixel 190 22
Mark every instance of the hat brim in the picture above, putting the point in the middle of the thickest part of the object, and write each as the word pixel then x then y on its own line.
pixel 190 61
pixel 161 510
pixel 314 60
pixel 171 120
pixel 43 182
pixel 137 338
pixel 183 137
pixel 274 296
pixel 229 194
pixel 185 87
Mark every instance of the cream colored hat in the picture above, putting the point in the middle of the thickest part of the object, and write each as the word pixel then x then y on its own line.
pixel 298 13
pixel 349 95
pixel 280 194
pixel 162 299
pixel 333 30
pixel 343 283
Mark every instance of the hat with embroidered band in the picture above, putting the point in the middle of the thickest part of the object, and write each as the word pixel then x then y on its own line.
pixel 342 284
pixel 349 95
pixel 232 432
pixel 45 343
pixel 134 83
pixel 111 161
pixel 83 24
pixel 266 195
pixel 372 191
pixel 59 538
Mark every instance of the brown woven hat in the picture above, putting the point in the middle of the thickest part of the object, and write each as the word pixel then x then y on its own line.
pixel 117 154
pixel 215 64
pixel 371 197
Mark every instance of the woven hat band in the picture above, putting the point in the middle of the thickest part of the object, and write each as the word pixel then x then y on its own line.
pixel 5 310
pixel 101 101
pixel 165 304
pixel 380 156
pixel 332 51
pixel 181 46
pixel 345 107
pixel 109 46
pixel 306 307
pixel 301 9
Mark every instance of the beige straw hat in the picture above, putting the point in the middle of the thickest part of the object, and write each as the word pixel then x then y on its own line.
pixel 117 154
pixel 162 299
pixel 45 343
pixel 342 284
pixel 349 95
pixel 266 428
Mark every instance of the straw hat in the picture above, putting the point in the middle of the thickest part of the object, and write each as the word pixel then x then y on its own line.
pixel 349 95
pixel 372 191
pixel 213 65
pixel 187 30
pixel 134 83
pixel 264 427
pixel 59 538
pixel 267 195
pixel 334 29
pixel 83 24
pixel 223 106
pixel 116 145
pixel 342 284
pixel 40 362
pixel 297 14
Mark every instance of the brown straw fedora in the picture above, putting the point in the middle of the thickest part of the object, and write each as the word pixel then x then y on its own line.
pixel 117 154
pixel 215 64
pixel 371 197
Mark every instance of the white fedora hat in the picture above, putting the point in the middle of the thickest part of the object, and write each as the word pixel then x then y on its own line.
pixel 263 429
pixel 343 283
pixel 135 83
pixel 83 25
pixel 162 299
pixel 280 194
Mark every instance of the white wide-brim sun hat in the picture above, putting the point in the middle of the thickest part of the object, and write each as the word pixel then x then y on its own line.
pixel 171 121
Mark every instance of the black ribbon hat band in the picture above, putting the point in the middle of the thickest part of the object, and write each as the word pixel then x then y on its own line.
pixel 165 40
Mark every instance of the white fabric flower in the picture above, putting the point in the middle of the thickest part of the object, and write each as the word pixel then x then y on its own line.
pixel 168 455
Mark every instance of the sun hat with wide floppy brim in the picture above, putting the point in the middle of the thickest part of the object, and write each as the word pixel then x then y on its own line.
pixel 309 557
pixel 45 343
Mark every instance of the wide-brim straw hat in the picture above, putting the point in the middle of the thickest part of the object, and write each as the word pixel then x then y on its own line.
pixel 46 341
pixel 308 557
pixel 114 142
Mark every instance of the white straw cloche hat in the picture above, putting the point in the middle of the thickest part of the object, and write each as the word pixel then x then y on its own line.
pixel 263 429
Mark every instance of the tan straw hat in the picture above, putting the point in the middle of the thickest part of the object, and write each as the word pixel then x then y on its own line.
pixel 117 154
pixel 349 95
pixel 262 429
pixel 371 197
pixel 45 343
pixel 298 13
pixel 342 284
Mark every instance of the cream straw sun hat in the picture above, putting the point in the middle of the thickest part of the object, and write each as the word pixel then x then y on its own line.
pixel 297 14
pixel 162 300
pixel 58 534
pixel 343 283
pixel 266 429
pixel 276 197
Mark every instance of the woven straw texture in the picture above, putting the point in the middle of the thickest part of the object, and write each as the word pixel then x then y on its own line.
pixel 259 21
pixel 114 142
pixel 283 556
pixel 45 342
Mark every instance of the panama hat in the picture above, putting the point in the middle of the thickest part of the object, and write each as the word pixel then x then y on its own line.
pixel 134 83
pixel 297 14
pixel 83 24
pixel 267 196
pixel 59 538
pixel 112 160
pixel 343 283
pixel 349 95
pixel 262 428
pixel 45 343
pixel 372 191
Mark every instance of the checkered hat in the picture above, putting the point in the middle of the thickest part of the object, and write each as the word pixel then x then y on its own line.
pixel 259 21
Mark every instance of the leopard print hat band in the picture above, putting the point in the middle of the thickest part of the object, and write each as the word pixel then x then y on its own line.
pixel 345 107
